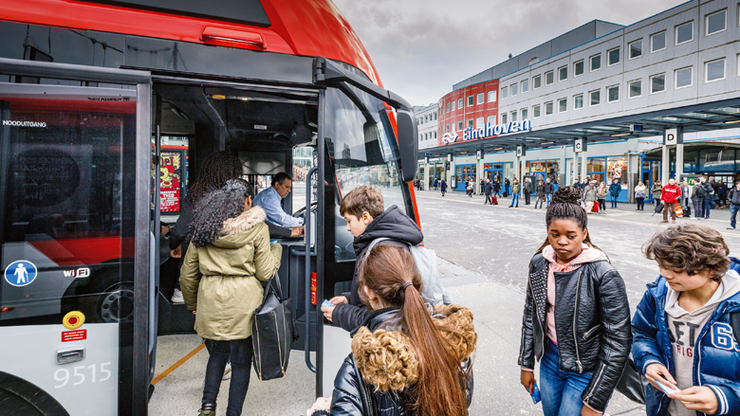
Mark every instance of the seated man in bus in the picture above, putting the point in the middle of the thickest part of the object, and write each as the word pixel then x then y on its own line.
pixel 270 199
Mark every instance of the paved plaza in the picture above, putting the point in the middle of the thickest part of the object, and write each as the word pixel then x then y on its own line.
pixel 483 256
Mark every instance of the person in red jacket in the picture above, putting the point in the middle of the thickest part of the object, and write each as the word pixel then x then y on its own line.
pixel 670 195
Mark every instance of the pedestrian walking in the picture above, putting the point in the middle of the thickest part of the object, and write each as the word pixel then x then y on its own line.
pixel 469 187
pixel 601 193
pixel 590 196
pixel 722 194
pixel 436 184
pixel 685 200
pixel 488 190
pixel 614 190
pixel 582 353
pixel 230 255
pixel 540 190
pixel 515 188
pixel 549 190
pixel 406 359
pixel 733 196
pixel 698 193
pixel 443 187
pixel 670 194
pixel 708 198
pixel 640 196
pixel 496 188
pixel 657 190
pixel 507 187
pixel 527 190
pixel 715 192
pixel 684 335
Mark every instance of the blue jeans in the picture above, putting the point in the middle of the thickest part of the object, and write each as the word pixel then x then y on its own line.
pixel 561 390
pixel 707 207
pixel 548 197
pixel 514 200
pixel 733 214
pixel 698 207
pixel 614 201
pixel 241 352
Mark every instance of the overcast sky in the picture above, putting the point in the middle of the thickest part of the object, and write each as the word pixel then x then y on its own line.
pixel 422 47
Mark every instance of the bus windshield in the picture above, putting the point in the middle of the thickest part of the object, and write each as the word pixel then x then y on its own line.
pixel 363 149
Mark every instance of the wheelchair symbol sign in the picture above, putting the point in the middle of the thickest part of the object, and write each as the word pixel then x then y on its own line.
pixel 20 273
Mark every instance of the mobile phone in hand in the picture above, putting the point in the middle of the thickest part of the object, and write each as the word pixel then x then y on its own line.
pixel 536 397
pixel 667 389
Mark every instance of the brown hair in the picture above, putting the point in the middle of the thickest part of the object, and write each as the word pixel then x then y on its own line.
pixel 690 248
pixel 361 199
pixel 440 386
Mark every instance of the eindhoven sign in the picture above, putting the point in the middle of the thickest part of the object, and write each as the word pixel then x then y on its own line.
pixel 488 130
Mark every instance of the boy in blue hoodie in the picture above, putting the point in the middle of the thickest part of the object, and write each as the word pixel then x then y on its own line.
pixel 683 337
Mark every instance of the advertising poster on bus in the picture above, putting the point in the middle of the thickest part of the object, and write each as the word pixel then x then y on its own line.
pixel 169 181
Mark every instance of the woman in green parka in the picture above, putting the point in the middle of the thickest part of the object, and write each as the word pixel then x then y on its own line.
pixel 221 279
pixel 657 192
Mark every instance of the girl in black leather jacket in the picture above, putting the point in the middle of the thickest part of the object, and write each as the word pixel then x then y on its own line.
pixel 406 359
pixel 576 318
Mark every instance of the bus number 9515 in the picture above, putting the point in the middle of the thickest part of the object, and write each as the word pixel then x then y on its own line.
pixel 79 374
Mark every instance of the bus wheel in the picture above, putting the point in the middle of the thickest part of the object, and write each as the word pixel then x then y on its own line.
pixel 116 304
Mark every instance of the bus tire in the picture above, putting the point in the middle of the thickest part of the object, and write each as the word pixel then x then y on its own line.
pixel 19 397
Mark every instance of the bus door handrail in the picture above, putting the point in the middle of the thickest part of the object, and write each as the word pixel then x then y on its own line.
pixel 307 303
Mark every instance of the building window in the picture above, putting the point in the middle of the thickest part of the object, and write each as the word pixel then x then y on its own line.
pixel 578 68
pixel 491 96
pixel 453 106
pixel 481 98
pixel 447 128
pixel 549 77
pixel 594 98
pixel 459 125
pixel 635 49
pixel 514 89
pixel 716 22
pixel 657 83
pixel 435 116
pixel 504 92
pixel 634 88
pixel 470 100
pixel 536 111
pixel 459 104
pixel 562 73
pixel 578 102
pixel 492 120
pixel 562 105
pixel 657 42
pixel 536 81
pixel 503 118
pixel 612 93
pixel 715 70
pixel 479 122
pixel 684 33
pixel 525 86
pixel 448 107
pixel 470 122
pixel 613 57
pixel 548 108
pixel 513 116
pixel 595 62
pixel 525 113
pixel 435 134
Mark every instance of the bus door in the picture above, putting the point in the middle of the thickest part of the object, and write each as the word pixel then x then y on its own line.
pixel 75 240
pixel 358 146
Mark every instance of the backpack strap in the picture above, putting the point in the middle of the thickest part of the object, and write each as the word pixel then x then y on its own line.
pixel 373 244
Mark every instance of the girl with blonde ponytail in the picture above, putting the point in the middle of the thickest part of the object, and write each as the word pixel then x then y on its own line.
pixel 405 358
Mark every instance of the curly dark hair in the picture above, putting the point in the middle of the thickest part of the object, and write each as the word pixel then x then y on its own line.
pixel 215 208
pixel 690 248
pixel 216 170
pixel 566 205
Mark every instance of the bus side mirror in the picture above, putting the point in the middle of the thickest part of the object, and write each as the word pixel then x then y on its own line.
pixel 407 144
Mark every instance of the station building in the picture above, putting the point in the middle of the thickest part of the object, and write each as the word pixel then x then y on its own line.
pixel 656 99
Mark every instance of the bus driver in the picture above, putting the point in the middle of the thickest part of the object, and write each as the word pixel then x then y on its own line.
pixel 270 199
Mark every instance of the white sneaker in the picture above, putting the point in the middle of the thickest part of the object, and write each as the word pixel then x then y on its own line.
pixel 177 296
pixel 227 372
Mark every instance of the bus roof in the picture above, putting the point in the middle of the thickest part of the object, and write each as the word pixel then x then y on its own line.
pixel 306 28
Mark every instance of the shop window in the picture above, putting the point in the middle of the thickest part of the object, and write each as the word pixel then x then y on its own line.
pixel 596 165
pixel 548 108
pixel 481 98
pixel 536 111
pixel 684 77
pixel 536 81
pixel 657 42
pixel 578 68
pixel 525 86
pixel 715 70
pixel 594 98
pixel 578 102
pixel 635 88
pixel 616 168
pixel 716 22
pixel 635 49
pixel 613 56
pixel 684 33
pixel 612 93
pixel 657 83
pixel 595 62
pixel 562 73
pixel 562 105
pixel 491 96
pixel 549 77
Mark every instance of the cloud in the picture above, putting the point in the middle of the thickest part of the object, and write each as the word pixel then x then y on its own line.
pixel 422 47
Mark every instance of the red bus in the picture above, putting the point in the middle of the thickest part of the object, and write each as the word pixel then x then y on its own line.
pixel 107 111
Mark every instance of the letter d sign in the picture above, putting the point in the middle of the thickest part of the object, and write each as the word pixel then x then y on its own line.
pixel 671 137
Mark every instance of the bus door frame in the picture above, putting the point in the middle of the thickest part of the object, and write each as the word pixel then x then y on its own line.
pixel 143 324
